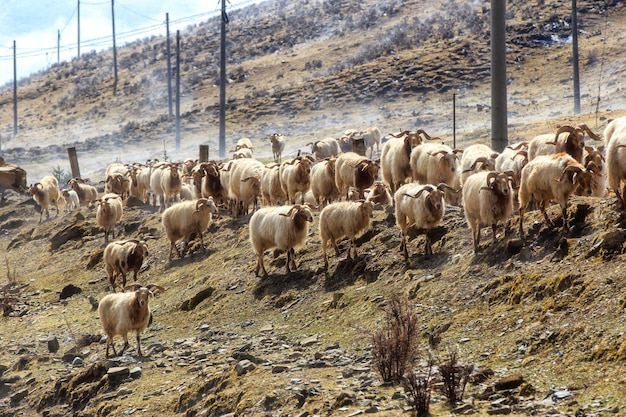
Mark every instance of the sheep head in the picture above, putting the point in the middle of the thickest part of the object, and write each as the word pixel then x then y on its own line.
pixel 201 203
pixel 488 164
pixel 299 214
pixel 578 176
pixel 498 182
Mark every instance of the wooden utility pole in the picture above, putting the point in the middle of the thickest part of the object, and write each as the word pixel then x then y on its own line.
pixel 114 49
pixel 78 28
pixel 575 58
pixel 499 135
pixel 14 90
pixel 178 90
pixel 222 139
pixel 71 154
pixel 170 114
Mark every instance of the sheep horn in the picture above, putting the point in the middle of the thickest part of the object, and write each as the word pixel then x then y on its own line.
pixel 437 153
pixel 585 128
pixel 563 129
pixel 491 178
pixel 518 146
pixel 522 153
pixel 443 186
pixel 134 286
pixel 476 162
pixel 569 168
pixel 200 202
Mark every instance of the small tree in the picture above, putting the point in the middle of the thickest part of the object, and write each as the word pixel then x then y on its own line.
pixel 454 377
pixel 419 387
pixel 394 347
pixel 61 175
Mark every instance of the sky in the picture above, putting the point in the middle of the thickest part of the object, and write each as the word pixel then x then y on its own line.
pixel 35 26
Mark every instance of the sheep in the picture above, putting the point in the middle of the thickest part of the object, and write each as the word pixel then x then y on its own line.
pixel 370 137
pixel 183 219
pixel 593 158
pixel 396 157
pixel 513 158
pixel 86 193
pixel 245 183
pixel 552 177
pixel 271 191
pixel 109 213
pixel 284 228
pixel 46 193
pixel 615 142
pixel 323 185
pixel 278 146
pixel 435 163
pixel 121 313
pixel 354 170
pixel 295 176
pixel 379 194
pixel 242 153
pixel 325 148
pixel 569 139
pixel 72 201
pixel 419 205
pixel 344 218
pixel 475 158
pixel 243 143
pixel 224 179
pixel 487 199
pixel 415 136
pixel 165 183
pixel 123 256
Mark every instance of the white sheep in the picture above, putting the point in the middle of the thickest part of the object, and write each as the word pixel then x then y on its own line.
pixel 295 177
pixel 183 219
pixel 140 181
pixel 395 158
pixel 284 228
pixel 323 186
pixel 345 218
pixel 243 143
pixel 123 256
pixel 487 199
pixel 594 159
pixel 278 146
pixel 109 213
pixel 271 191
pixel 513 158
pixel 121 313
pixel 242 153
pixel 72 201
pixel 475 158
pixel 354 170
pixel 434 163
pixel 245 183
pixel 419 205
pixel 165 182
pixel 370 137
pixel 46 193
pixel 615 144
pixel 325 148
pixel 86 193
pixel 552 177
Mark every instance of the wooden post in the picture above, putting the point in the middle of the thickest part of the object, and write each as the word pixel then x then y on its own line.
pixel 71 153
pixel 204 153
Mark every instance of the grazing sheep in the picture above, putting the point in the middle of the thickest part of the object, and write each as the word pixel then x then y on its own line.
pixel 183 219
pixel 278 146
pixel 370 137
pixel 245 184
pixel 396 157
pixel 140 181
pixel 272 193
pixel 211 182
pixel 123 256
pixel 513 158
pixel 121 313
pixel 46 193
pixel 165 183
pixel 341 219
pixel 284 228
pixel 354 170
pixel 552 177
pixel 422 206
pixel 325 148
pixel 295 176
pixel 109 213
pixel 569 139
pixel 477 157
pixel 487 199
pixel 72 201
pixel 243 143
pixel 594 160
pixel 323 185
pixel 86 193
pixel 615 144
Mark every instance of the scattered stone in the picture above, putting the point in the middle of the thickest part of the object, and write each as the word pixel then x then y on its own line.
pixel 69 291
pixel 118 371
pixel 135 372
pixel 509 382
pixel 191 303
pixel 277 369
pixel 78 361
pixel 244 366
pixel 18 396
pixel 53 344
pixel 310 341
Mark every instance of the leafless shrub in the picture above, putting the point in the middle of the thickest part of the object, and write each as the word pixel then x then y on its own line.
pixel 313 64
pixel 455 377
pixel 394 347
pixel 592 58
pixel 418 387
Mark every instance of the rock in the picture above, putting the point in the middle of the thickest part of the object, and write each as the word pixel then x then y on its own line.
pixel 277 369
pixel 135 372
pixel 118 371
pixel 69 291
pixel 191 303
pixel 309 341
pixel 509 382
pixel 78 361
pixel 244 366
pixel 53 344
pixel 18 396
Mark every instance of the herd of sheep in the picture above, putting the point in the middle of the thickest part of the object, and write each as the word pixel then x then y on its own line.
pixel 420 175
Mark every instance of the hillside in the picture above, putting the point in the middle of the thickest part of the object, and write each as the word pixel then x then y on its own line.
pixel 548 313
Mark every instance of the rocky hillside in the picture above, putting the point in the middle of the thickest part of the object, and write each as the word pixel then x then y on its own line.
pixel 540 323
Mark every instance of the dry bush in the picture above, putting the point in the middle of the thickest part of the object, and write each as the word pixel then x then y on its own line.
pixel 455 377
pixel 418 388
pixel 394 344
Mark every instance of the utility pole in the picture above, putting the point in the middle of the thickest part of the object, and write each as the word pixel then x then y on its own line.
pixel 575 58
pixel 58 46
pixel 499 135
pixel 114 49
pixel 78 28
pixel 222 139
pixel 177 90
pixel 169 67
pixel 14 89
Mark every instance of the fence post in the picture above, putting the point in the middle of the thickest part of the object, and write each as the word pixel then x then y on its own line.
pixel 204 153
pixel 71 153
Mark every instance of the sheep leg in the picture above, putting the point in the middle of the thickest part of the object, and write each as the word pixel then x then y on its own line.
pixel 337 252
pixel 260 265
pixel 126 344
pixel 428 250
pixel 493 234
pixel 521 223
pixel 353 247
pixel 110 343
pixel 542 207
pixel 138 344
pixel 564 215
pixel 620 196
pixel 403 246
pixel 324 254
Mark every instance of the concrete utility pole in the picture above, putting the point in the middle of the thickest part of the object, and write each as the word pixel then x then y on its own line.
pixel 177 90
pixel 78 10
pixel 222 139
pixel 14 90
pixel 499 133
pixel 575 58
pixel 114 49
pixel 170 114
